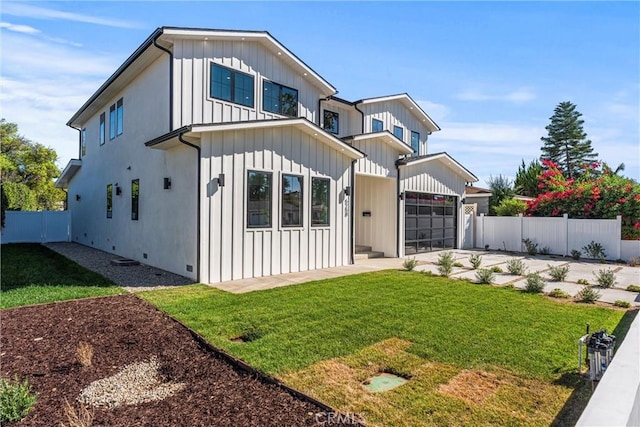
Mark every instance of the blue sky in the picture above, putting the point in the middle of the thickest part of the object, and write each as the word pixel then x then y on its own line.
pixel 489 73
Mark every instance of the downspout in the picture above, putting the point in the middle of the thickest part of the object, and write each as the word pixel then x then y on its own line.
pixel 155 43
pixel 398 210
pixel 198 205
pixel 355 105
pixel 352 212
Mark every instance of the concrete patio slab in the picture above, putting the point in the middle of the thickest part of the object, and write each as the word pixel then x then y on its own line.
pixel 628 276
pixel 500 279
pixel 541 264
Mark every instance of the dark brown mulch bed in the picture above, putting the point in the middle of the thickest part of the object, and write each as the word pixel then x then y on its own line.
pixel 39 343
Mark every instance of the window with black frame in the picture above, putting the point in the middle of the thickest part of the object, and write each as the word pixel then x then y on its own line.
pixel 320 201
pixel 259 199
pixel 331 121
pixel 279 99
pixel 135 199
pixel 292 206
pixel 376 125
pixel 231 85
pixel 109 200
pixel 415 143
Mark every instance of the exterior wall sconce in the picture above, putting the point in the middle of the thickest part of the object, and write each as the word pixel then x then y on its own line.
pixel 347 190
pixel 77 197
pixel 221 180
pixel 118 190
pixel 401 196
pixel 167 183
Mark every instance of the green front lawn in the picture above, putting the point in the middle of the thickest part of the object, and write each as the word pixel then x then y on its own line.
pixel 450 328
pixel 34 274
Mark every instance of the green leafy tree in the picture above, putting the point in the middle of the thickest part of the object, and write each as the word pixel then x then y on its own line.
pixel 501 189
pixel 526 182
pixel 511 207
pixel 28 172
pixel 567 143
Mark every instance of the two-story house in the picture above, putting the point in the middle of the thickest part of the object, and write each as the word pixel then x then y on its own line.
pixel 220 155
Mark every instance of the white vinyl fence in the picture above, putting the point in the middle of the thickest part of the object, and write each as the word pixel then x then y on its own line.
pixel 559 234
pixel 36 227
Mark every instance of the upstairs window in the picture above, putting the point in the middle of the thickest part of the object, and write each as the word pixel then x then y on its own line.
pixel 83 142
pixel 231 85
pixel 102 129
pixel 319 202
pixel 259 199
pixel 415 143
pixel 119 117
pixel 398 132
pixel 112 121
pixel 291 201
pixel 279 99
pixel 376 125
pixel 135 197
pixel 109 200
pixel 331 121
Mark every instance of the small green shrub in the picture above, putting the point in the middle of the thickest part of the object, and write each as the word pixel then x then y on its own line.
pixel 587 295
pixel 485 276
pixel 496 269
pixel 545 251
pixel 532 248
pixel 458 264
pixel 576 254
pixel 558 293
pixel 475 260
pixel 605 278
pixel 16 400
pixel 583 282
pixel 445 263
pixel 633 288
pixel 410 264
pixel 535 283
pixel 595 250
pixel 516 266
pixel 621 303
pixel 558 273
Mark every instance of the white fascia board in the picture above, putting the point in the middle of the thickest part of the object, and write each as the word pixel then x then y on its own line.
pixel 413 107
pixel 69 171
pixel 478 195
pixel 449 161
pixel 260 36
pixel 386 137
pixel 302 124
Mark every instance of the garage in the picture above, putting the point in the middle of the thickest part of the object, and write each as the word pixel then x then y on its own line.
pixel 430 222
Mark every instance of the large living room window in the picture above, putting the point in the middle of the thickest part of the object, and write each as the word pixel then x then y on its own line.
pixel 231 85
pixel 279 99
pixel 319 201
pixel 259 199
pixel 292 201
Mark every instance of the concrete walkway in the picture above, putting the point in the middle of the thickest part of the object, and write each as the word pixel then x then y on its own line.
pixel 578 270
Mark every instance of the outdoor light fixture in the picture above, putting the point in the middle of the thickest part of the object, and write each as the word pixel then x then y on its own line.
pixel 78 197
pixel 118 190
pixel 221 180
pixel 347 191
pixel 167 183
pixel 401 196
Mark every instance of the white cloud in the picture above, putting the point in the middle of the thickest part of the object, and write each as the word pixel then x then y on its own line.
pixel 30 11
pixel 25 29
pixel 437 112
pixel 519 95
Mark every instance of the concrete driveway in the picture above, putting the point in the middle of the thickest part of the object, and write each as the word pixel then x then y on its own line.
pixel 578 270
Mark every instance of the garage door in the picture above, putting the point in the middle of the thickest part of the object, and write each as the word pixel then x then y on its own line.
pixel 429 222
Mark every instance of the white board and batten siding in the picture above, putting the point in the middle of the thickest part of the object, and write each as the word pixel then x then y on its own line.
pixel 229 249
pixel 349 120
pixel 381 158
pixel 395 113
pixel 192 64
pixel 378 197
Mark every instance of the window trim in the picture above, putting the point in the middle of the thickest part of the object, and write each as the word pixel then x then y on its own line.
pixel 135 200
pixel 373 121
pixel 336 117
pixel 401 138
pixel 103 128
pixel 301 209
pixel 417 149
pixel 270 209
pixel 233 87
pixel 328 223
pixel 280 87
pixel 109 200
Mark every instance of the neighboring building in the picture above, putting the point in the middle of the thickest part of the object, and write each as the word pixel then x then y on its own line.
pixel 479 197
pixel 220 155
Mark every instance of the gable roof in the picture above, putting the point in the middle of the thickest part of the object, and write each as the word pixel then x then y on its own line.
pixel 405 99
pixel 143 56
pixel 449 162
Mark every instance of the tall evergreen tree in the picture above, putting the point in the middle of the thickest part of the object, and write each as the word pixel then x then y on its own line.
pixel 526 182
pixel 567 143
pixel 501 189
